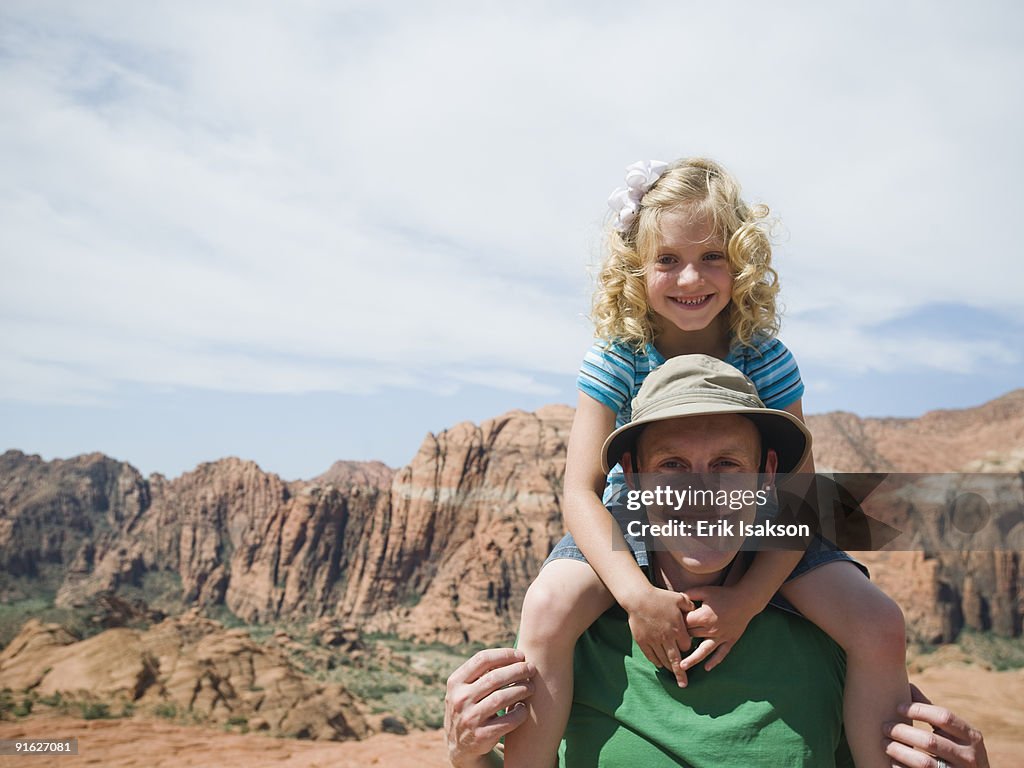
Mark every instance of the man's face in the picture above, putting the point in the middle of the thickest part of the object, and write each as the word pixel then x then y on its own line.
pixel 726 451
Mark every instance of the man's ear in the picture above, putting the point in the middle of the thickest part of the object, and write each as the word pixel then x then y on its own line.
pixel 771 465
pixel 627 462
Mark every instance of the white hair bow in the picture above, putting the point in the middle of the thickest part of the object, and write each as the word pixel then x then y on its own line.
pixel 625 201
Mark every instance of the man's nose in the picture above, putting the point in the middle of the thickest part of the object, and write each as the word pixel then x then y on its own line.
pixel 706 477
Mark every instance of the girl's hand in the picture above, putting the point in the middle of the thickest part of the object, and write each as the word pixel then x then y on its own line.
pixel 722 620
pixel 658 624
pixel 952 742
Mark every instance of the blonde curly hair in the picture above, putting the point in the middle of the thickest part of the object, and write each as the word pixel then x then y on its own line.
pixel 621 311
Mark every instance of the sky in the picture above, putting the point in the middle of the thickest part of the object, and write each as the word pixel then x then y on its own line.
pixel 304 232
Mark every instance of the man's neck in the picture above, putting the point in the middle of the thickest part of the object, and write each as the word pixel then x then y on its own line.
pixel 669 574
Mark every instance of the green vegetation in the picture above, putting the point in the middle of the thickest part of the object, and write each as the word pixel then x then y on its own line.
pixel 1001 652
pixel 160 590
pixel 53 700
pixel 223 614
pixel 34 598
pixel 402 645
pixel 261 633
pixel 12 705
pixel 13 616
pixel 94 710
pixel 23 708
pixel 393 676
pixel 983 648
pixel 23 704
pixel 166 709
pixel 401 677
pixel 375 682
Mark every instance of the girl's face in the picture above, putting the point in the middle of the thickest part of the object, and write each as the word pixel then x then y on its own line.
pixel 688 282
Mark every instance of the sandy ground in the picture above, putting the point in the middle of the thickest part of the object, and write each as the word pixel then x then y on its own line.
pixel 156 744
pixel 992 701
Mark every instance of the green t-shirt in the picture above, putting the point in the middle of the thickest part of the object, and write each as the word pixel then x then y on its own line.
pixel 777 699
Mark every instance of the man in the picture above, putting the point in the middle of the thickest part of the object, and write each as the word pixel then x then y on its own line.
pixel 775 699
pixel 695 415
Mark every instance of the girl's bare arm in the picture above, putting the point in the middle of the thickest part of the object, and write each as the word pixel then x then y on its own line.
pixel 655 615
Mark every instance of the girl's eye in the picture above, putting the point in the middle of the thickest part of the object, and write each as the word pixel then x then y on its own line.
pixel 715 256
pixel 666 259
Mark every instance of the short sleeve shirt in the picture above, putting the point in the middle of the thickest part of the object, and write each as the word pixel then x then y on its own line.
pixel 776 699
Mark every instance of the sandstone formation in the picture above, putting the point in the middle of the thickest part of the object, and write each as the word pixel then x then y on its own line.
pixel 444 548
pixel 941 592
pixel 346 475
pixel 54 515
pixel 472 518
pixel 186 667
pixel 972 439
pixel 227 532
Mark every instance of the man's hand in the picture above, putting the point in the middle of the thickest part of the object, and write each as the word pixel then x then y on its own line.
pixel 489 681
pixel 656 619
pixel 952 741
pixel 721 620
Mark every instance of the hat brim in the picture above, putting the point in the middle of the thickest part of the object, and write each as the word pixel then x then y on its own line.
pixel 781 431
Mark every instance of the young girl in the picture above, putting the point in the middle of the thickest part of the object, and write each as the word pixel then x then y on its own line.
pixel 688 271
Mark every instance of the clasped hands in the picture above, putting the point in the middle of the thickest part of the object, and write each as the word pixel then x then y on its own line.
pixel 664 622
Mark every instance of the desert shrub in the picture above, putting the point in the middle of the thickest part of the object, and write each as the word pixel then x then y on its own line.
pixel 23 708
pixel 53 700
pixel 1003 653
pixel 166 709
pixel 94 710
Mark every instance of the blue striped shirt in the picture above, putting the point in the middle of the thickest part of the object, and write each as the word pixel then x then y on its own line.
pixel 612 375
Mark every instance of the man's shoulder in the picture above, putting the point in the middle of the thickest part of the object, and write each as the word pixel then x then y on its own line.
pixel 778 692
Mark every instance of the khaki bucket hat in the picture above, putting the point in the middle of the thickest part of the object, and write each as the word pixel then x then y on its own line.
pixel 699 385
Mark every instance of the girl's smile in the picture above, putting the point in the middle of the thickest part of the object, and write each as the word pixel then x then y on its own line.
pixel 694 302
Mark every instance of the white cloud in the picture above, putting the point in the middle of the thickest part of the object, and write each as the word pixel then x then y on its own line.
pixel 849 349
pixel 256 198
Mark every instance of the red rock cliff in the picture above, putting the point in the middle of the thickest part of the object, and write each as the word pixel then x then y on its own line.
pixel 444 548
